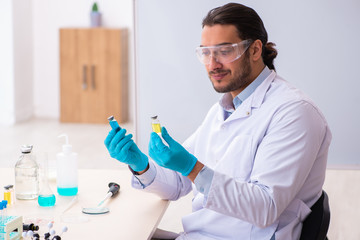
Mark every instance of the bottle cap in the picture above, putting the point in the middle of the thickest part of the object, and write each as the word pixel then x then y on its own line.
pixel 26 148
pixel 8 187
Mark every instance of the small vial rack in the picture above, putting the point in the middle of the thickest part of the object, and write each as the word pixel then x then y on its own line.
pixel 9 225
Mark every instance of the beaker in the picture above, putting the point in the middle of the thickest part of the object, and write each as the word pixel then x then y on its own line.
pixel 46 196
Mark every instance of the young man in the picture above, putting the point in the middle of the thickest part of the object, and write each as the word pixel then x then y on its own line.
pixel 258 159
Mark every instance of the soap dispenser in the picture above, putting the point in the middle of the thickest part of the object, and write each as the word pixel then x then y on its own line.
pixel 67 170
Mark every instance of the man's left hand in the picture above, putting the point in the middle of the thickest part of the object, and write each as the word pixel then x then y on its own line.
pixel 174 156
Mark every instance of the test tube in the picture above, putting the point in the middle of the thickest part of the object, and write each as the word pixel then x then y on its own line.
pixel 113 123
pixel 155 124
pixel 1 214
pixel 5 203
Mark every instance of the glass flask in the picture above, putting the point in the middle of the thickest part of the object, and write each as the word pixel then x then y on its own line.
pixel 46 197
pixel 26 175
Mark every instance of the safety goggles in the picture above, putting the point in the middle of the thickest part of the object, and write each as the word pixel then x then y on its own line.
pixel 222 53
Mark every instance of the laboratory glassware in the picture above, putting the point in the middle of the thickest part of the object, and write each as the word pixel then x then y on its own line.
pixel 113 123
pixel 67 170
pixel 2 220
pixel 46 196
pixel 5 203
pixel 26 175
pixel 113 191
pixel 155 124
pixel 8 192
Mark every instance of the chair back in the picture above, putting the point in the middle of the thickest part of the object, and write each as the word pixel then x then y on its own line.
pixel 316 225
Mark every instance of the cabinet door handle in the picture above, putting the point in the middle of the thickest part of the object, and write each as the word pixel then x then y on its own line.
pixel 84 83
pixel 93 77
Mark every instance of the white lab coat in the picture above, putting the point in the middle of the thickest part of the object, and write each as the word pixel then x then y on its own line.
pixel 269 159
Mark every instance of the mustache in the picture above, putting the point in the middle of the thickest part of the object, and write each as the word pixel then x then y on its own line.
pixel 219 71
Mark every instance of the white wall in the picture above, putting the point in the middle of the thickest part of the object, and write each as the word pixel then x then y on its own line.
pixel 29 46
pixel 16 58
pixel 318 50
pixel 49 16
pixel 24 59
pixel 171 82
pixel 6 64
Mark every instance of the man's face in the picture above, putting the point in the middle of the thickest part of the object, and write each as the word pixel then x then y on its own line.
pixel 230 77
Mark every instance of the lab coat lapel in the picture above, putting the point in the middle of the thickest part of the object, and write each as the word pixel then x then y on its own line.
pixel 253 101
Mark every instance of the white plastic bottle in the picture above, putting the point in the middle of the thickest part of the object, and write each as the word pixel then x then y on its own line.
pixel 67 170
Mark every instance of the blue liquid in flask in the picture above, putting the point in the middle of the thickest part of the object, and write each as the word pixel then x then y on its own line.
pixel 46 200
pixel 46 197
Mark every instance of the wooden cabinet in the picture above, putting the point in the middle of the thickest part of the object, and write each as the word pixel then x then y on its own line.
pixel 93 75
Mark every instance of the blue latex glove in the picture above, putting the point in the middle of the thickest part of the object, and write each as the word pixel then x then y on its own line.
pixel 123 148
pixel 174 156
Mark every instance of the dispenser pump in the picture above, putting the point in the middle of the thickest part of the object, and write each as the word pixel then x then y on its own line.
pixel 66 148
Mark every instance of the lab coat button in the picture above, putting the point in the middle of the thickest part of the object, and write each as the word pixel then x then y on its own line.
pixel 201 189
pixel 223 127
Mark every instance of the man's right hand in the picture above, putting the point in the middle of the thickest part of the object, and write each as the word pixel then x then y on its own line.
pixel 123 148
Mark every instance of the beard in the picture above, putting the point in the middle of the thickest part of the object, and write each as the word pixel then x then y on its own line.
pixel 240 79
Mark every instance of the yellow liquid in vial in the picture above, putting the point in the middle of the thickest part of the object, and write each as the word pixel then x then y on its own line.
pixel 156 127
pixel 7 196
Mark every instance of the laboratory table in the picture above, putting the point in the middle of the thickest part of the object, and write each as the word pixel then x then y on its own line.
pixel 134 215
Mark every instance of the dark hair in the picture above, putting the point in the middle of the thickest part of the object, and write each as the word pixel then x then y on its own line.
pixel 248 24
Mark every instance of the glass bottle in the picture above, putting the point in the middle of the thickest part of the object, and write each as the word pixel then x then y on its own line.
pixel 26 175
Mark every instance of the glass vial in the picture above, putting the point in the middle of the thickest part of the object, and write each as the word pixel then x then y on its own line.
pixel 155 124
pixel 8 192
pixel 113 123
pixel 26 175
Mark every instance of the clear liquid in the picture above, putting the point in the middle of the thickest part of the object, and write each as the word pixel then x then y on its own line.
pixel 26 183
pixel 67 191
pixel 46 200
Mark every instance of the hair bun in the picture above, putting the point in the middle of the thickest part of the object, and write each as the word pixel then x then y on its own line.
pixel 270 54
